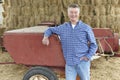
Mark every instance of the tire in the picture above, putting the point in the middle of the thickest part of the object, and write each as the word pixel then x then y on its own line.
pixel 41 73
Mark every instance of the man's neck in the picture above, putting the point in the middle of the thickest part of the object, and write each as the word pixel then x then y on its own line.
pixel 74 22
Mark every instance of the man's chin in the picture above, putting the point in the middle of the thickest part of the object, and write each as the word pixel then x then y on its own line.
pixel 73 20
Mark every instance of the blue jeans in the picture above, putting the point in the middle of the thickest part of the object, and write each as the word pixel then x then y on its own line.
pixel 82 69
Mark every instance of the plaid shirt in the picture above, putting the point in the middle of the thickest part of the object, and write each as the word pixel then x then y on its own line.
pixel 75 41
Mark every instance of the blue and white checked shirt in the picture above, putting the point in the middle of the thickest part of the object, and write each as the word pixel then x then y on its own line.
pixel 75 41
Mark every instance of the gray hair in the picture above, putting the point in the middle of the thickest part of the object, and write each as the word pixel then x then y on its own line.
pixel 74 6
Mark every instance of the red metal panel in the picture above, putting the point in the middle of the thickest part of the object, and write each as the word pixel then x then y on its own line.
pixel 27 48
pixel 102 32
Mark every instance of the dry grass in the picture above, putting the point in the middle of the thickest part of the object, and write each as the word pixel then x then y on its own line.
pixel 100 69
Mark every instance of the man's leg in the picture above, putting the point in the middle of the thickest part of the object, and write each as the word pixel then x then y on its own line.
pixel 83 70
pixel 70 72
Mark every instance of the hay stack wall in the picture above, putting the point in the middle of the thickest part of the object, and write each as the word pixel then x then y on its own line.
pixel 96 13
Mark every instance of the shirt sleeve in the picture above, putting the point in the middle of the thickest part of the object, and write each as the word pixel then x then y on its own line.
pixel 53 30
pixel 93 45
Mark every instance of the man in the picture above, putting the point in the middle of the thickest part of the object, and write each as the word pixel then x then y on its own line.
pixel 78 44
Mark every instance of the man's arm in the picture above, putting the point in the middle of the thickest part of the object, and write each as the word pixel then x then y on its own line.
pixel 49 32
pixel 93 45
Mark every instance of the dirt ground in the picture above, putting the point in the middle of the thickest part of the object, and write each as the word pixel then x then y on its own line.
pixel 100 69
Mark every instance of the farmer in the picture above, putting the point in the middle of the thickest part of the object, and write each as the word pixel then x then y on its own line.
pixel 78 44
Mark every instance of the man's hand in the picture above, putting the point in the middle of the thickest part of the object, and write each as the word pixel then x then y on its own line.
pixel 45 41
pixel 84 58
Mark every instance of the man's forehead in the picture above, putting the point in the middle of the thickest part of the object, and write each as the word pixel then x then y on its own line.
pixel 73 9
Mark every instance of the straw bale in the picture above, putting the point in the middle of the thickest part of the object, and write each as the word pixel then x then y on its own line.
pixel 32 21
pixel 102 10
pixel 4 14
pixel 28 2
pixel 110 20
pixel 21 3
pixel 98 2
pixel 112 10
pixel 109 1
pixel 104 2
pixel 4 7
pixel 117 10
pixel 95 22
pixel 85 10
pixel 115 2
pixel 26 21
pixel 87 19
pixel 83 1
pixel 91 11
pixel 6 2
pixel 108 9
pixel 13 3
pixel 92 2
pixel 20 21
pixel 70 2
pixel 96 11
pixel 37 20
pixel 102 21
pixel 64 3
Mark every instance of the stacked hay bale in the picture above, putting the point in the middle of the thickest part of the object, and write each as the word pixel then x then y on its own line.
pixel 25 13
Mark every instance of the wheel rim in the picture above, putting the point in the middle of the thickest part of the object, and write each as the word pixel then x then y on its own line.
pixel 38 77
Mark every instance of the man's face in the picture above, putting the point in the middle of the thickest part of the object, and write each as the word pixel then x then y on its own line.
pixel 73 14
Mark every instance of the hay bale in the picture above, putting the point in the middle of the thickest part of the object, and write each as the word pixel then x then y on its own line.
pixel 87 19
pixel 97 2
pixel 115 2
pixel 117 10
pixel 110 20
pixel 95 22
pixel 4 14
pixel 96 11
pixel 92 2
pixel 112 11
pixel 91 11
pixel 109 1
pixel 102 21
pixel 23 13
pixel 32 21
pixel 83 1
pixel 85 10
pixel 102 10
pixel 104 2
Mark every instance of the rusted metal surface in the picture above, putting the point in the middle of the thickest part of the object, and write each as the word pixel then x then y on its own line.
pixel 27 49
pixel 106 38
